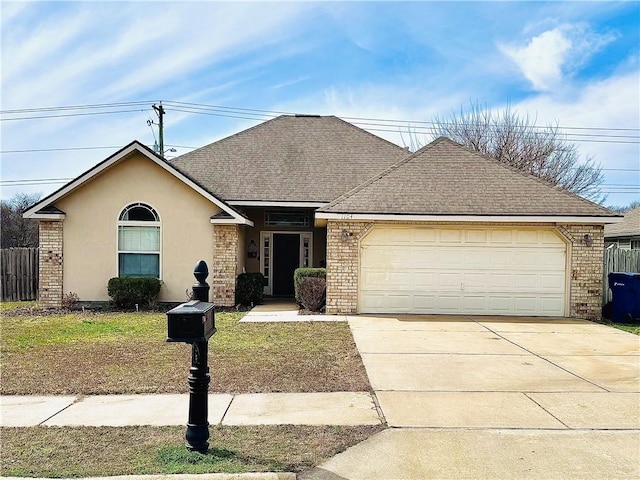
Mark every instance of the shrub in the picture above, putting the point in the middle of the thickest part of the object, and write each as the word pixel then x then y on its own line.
pixel 69 300
pixel 250 288
pixel 301 273
pixel 313 293
pixel 127 292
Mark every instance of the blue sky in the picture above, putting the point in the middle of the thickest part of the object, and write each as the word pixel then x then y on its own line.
pixel 576 64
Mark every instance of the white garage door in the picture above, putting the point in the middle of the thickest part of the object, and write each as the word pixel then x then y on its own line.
pixel 462 271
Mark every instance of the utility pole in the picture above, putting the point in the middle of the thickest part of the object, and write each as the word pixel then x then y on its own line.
pixel 160 111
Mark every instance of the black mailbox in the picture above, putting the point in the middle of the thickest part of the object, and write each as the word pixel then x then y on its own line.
pixel 191 322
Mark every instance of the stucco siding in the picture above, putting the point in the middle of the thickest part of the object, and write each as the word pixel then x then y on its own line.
pixel 90 228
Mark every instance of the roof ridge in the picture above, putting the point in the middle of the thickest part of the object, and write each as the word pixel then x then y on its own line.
pixel 229 137
pixel 381 175
pixel 541 180
pixel 365 131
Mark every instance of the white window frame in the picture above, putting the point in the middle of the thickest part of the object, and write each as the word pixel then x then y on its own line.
pixel 130 223
pixel 267 260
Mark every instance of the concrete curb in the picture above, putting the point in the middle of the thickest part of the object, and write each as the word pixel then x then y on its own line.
pixel 205 476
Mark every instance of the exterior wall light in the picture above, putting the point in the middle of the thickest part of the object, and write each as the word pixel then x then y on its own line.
pixel 252 249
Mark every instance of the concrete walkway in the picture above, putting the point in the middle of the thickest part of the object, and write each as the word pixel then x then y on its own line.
pixel 333 408
pixel 285 310
pixel 497 397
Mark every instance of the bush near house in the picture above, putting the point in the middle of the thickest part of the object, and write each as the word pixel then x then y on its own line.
pixel 250 288
pixel 127 292
pixel 299 274
pixel 313 293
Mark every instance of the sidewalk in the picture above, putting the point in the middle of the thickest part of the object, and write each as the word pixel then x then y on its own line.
pixel 285 310
pixel 330 408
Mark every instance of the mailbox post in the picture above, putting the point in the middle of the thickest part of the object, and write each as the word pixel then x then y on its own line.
pixel 194 322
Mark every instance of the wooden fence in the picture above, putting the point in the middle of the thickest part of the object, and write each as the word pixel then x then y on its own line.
pixel 616 260
pixel 19 274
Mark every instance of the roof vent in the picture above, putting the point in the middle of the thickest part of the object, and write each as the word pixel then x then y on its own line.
pixel 304 115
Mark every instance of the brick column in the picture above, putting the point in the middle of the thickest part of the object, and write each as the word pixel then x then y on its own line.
pixel 223 271
pixel 50 269
pixel 342 265
pixel 585 296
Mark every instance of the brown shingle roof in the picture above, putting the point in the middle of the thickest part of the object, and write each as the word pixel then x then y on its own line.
pixel 290 158
pixel 444 178
pixel 629 226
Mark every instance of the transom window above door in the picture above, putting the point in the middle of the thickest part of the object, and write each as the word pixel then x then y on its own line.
pixel 286 218
pixel 139 241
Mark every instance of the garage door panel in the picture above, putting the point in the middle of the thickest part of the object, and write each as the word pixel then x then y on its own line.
pixel 448 303
pixel 549 305
pixel 473 271
pixel 499 304
pixel 426 236
pixel 526 282
pixel 476 236
pixel 425 280
pixel 500 236
pixel 553 282
pixel 451 236
pixel 474 303
pixel 527 237
pixel 425 302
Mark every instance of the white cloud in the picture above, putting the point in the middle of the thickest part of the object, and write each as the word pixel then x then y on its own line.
pixel 542 59
pixel 550 56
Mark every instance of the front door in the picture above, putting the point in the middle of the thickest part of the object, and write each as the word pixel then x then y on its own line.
pixel 286 258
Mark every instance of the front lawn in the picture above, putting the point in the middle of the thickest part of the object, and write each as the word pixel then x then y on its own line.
pixel 119 353
pixel 53 353
pixel 108 451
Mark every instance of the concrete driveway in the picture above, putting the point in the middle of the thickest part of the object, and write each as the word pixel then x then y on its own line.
pixel 497 397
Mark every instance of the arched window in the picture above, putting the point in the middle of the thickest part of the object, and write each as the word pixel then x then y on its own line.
pixel 139 241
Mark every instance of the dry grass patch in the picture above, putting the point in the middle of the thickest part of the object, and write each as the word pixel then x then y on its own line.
pixel 120 353
pixel 106 451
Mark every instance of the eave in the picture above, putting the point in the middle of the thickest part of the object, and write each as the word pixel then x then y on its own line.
pixel 576 219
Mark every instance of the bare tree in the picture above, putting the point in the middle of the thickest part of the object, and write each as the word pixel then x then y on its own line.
pixel 517 141
pixel 624 208
pixel 18 231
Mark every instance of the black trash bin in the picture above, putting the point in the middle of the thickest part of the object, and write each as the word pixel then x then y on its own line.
pixel 625 288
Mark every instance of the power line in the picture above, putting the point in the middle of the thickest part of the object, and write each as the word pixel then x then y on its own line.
pixel 69 115
pixel 256 114
pixel 70 149
pixel 74 107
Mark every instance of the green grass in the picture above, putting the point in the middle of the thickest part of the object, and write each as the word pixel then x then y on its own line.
pixel 27 332
pixel 627 327
pixel 12 305
pixel 107 451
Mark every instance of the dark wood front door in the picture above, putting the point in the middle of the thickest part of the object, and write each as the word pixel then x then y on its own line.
pixel 286 258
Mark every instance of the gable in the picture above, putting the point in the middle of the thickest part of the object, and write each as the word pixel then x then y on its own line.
pixel 302 159
pixel 446 179
pixel 135 166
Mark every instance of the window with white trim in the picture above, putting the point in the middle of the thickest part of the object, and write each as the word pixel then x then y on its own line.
pixel 139 242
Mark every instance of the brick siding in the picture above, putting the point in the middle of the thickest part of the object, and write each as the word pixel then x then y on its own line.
pixel 585 269
pixel 342 265
pixel 585 295
pixel 50 270
pixel 225 257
